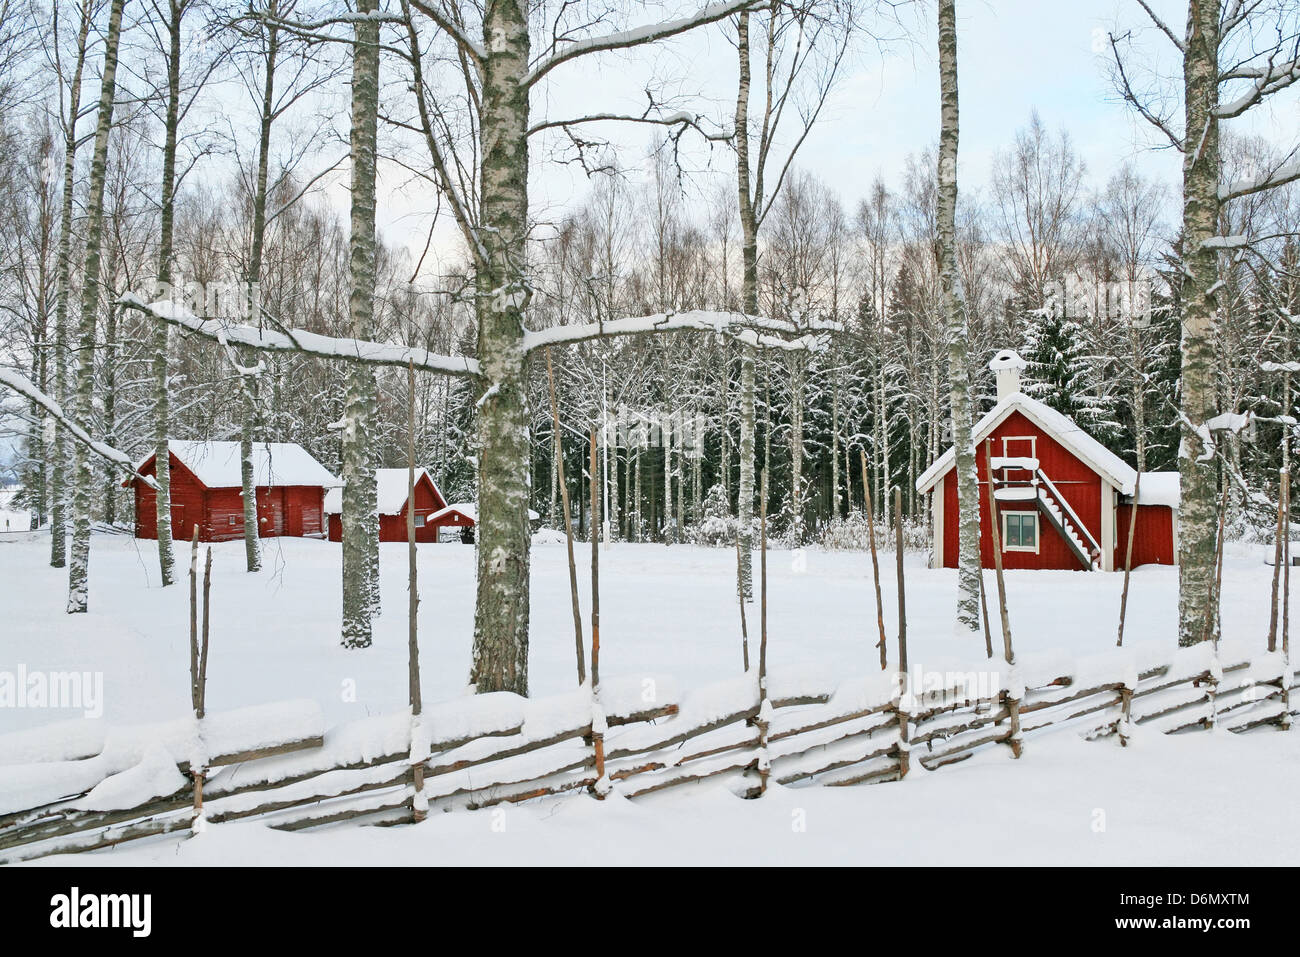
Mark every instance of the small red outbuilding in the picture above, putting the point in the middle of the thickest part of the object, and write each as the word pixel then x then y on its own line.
pixel 391 492
pixel 206 490
pixel 1063 498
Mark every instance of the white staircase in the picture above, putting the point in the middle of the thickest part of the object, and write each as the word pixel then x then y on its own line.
pixel 1056 509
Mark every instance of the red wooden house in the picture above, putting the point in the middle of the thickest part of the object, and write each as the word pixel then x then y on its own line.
pixel 1064 499
pixel 207 491
pixel 392 487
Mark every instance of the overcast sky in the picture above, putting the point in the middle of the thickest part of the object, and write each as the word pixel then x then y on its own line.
pixel 1014 56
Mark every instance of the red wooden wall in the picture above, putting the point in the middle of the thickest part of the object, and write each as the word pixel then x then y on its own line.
pixel 1153 536
pixel 1077 483
pixel 392 528
pixel 294 510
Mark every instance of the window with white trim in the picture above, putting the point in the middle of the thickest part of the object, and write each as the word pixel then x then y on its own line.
pixel 1020 531
pixel 419 521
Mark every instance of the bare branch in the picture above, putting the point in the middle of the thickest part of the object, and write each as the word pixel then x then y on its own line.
pixel 637 36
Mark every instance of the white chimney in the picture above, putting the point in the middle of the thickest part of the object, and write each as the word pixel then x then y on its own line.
pixel 1006 365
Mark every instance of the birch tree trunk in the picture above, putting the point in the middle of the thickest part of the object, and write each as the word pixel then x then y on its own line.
pixel 59 452
pixel 248 383
pixel 167 207
pixel 500 656
pixel 968 526
pixel 1197 524
pixel 749 303
pixel 360 518
pixel 82 398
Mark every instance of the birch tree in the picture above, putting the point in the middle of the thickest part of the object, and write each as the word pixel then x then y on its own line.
pixel 958 332
pixel 1235 56
pixel 82 398
pixel 360 510
pixel 801 49
pixel 63 281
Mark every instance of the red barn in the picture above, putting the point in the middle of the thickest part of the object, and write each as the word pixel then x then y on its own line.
pixel 1064 499
pixel 207 491
pixel 392 487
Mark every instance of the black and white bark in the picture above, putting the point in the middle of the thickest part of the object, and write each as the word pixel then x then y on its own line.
pixel 360 517
pixel 83 396
pixel 63 290
pixel 958 333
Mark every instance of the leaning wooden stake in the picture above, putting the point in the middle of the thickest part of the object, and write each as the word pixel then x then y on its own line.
pixel 199 666
pixel 418 755
pixel 1128 559
pixel 740 594
pixel 598 721
pixel 1277 563
pixel 1285 723
pixel 568 523
pixel 904 718
pixel 1011 701
pixel 984 614
pixel 875 562
pixel 764 705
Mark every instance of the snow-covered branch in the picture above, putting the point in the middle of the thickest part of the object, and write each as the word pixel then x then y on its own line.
pixel 1287 173
pixel 24 387
pixel 681 118
pixel 454 30
pixel 299 340
pixel 1268 80
pixel 750 330
pixel 637 36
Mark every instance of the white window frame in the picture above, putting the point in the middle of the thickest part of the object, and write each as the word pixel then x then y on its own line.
pixel 1038 533
pixel 420 520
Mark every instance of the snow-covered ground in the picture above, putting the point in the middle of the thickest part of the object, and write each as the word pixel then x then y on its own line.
pixel 664 610
pixel 1199 798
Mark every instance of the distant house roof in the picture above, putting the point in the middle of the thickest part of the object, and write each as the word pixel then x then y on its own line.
pixel 470 511
pixel 218 464
pixel 1061 427
pixel 391 488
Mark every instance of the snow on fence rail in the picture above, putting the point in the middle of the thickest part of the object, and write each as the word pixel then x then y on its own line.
pixel 66 789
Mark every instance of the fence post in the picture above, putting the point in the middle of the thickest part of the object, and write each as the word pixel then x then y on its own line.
pixel 904 718
pixel 419 752
pixel 875 560
pixel 602 785
pixel 1010 699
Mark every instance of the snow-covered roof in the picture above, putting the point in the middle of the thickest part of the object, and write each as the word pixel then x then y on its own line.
pixel 391 487
pixel 1159 488
pixel 470 511
pixel 217 464
pixel 1061 427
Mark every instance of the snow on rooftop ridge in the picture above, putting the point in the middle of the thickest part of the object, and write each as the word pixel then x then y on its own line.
pixel 1160 488
pixel 1062 428
pixel 218 464
pixel 470 511
pixel 391 491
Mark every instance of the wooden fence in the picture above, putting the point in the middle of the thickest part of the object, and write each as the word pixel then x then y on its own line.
pixel 276 763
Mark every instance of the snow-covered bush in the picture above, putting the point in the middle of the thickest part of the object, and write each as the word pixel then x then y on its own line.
pixel 850 534
pixel 717 528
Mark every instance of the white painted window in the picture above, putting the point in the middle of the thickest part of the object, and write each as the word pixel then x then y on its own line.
pixel 419 521
pixel 1020 532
